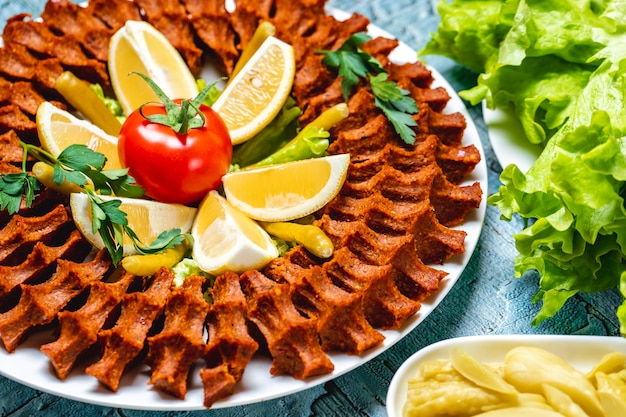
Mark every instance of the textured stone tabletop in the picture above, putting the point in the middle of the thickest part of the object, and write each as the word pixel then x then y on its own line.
pixel 487 299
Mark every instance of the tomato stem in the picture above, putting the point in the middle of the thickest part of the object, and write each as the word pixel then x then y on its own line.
pixel 184 117
pixel 179 117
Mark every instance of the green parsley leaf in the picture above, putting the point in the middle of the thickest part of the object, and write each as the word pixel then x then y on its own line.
pixel 396 105
pixel 61 174
pixel 401 121
pixel 109 222
pixel 122 184
pixel 14 187
pixel 81 158
pixel 79 164
pixel 353 64
pixel 385 89
pixel 112 212
pixel 357 40
pixel 166 239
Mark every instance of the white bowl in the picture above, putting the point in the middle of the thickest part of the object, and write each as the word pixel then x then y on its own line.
pixel 582 352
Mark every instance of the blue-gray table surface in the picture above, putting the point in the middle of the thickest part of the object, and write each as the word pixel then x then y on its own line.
pixel 486 299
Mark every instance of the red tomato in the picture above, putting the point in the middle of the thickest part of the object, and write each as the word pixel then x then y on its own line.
pixel 172 167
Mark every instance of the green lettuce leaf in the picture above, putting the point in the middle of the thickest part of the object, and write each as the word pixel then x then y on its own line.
pixel 310 142
pixel 470 32
pixel 527 57
pixel 574 193
pixel 572 30
pixel 274 136
pixel 561 65
pixel 541 91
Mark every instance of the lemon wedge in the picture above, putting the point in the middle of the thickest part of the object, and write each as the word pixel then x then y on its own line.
pixel 226 240
pixel 256 94
pixel 140 47
pixel 146 218
pixel 287 191
pixel 59 129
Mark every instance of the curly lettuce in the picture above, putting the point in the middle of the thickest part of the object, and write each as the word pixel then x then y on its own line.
pixel 533 55
pixel 473 44
pixel 562 66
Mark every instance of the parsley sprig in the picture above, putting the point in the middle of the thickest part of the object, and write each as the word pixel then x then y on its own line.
pixel 353 64
pixel 14 188
pixel 80 165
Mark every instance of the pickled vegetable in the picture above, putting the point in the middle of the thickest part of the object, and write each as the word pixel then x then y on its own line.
pixel 562 402
pixel 528 368
pixel 612 392
pixel 148 265
pixel 480 374
pixel 331 116
pixel 312 141
pixel 530 382
pixel 520 412
pixel 450 397
pixel 311 237
pixel 611 362
pixel 281 130
pixel 87 102
pixel 44 174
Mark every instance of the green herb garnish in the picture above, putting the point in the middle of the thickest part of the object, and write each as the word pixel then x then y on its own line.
pixel 14 187
pixel 353 64
pixel 80 165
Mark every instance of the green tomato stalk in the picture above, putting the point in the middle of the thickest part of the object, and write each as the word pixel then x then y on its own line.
pixel 180 117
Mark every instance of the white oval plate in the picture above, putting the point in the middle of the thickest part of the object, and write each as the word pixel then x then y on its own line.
pixel 508 140
pixel 30 367
pixel 582 352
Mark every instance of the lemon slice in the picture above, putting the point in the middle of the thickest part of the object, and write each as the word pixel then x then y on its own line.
pixel 146 218
pixel 59 129
pixel 287 191
pixel 140 47
pixel 257 93
pixel 226 240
